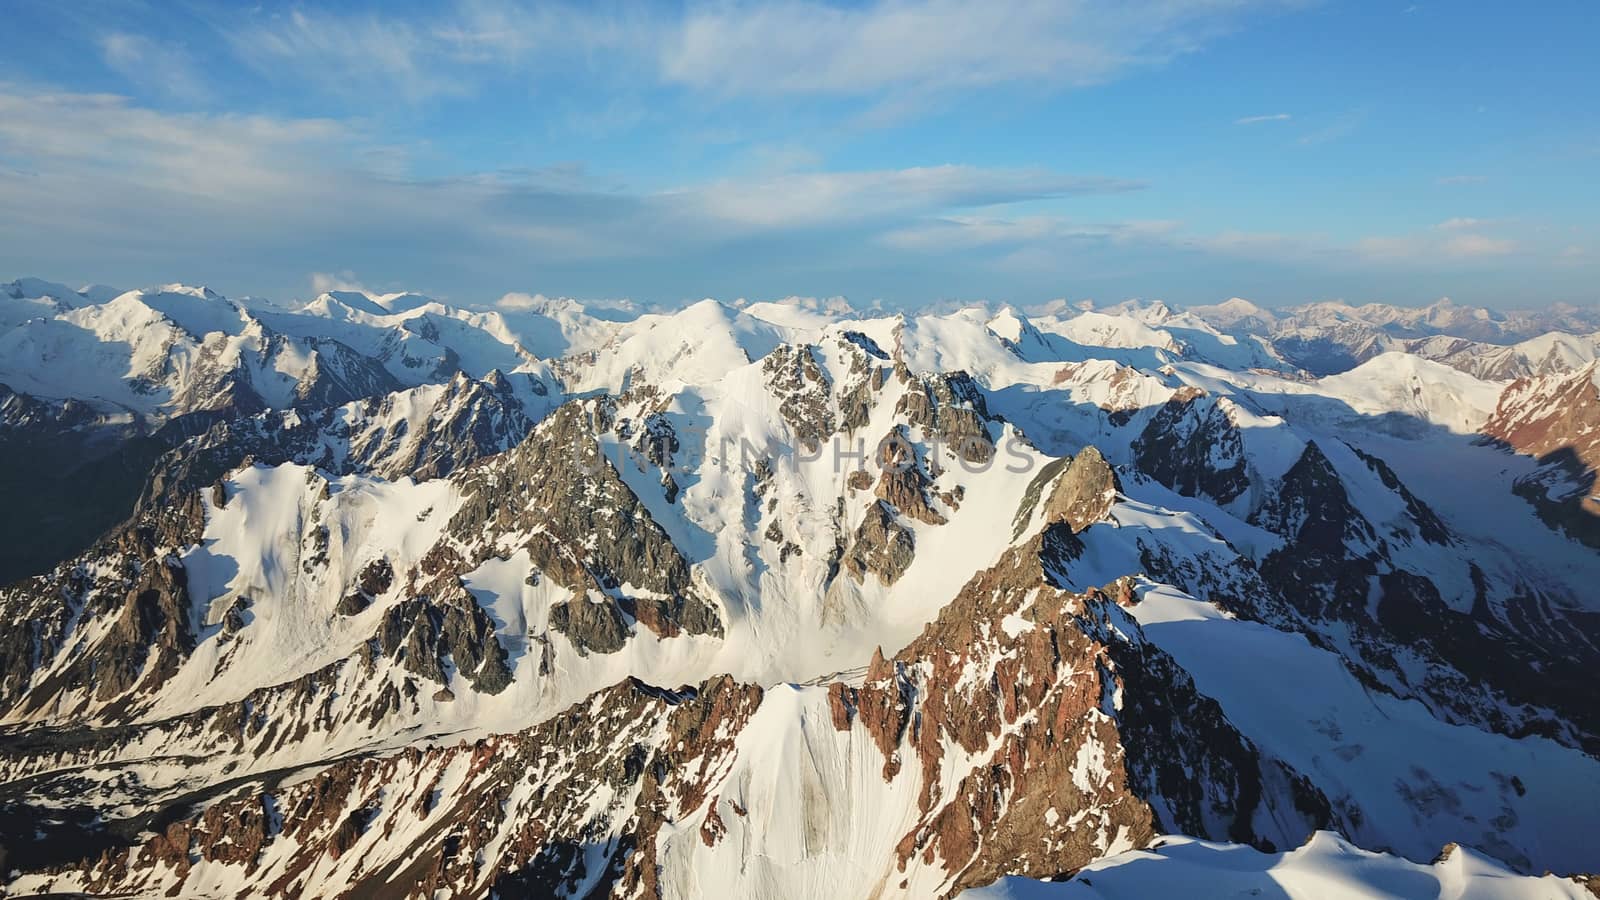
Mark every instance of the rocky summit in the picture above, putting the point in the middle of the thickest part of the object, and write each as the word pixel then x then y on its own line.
pixel 384 596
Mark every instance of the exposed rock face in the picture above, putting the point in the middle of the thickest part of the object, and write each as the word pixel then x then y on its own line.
pixel 1557 419
pixel 866 378
pixel 607 775
pixel 950 407
pixel 149 636
pixel 902 481
pixel 1035 680
pixel 657 442
pixel 1076 491
pixel 585 529
pixel 376 578
pixel 592 627
pixel 429 634
pixel 426 432
pixel 1341 575
pixel 794 376
pixel 1312 508
pixel 134 593
pixel 1084 493
pixel 882 546
pixel 1191 446
pixel 1035 730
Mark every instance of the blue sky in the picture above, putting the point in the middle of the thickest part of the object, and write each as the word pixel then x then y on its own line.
pixel 911 151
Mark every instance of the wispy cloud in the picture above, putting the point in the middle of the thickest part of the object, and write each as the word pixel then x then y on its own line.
pixel 199 185
pixel 949 233
pixel 1463 223
pixel 809 47
pixel 160 66
pixel 1463 179
pixel 1478 245
pixel 896 53
pixel 1429 250
pixel 1336 128
pixel 361 54
pixel 1449 243
pixel 812 198
pixel 1254 120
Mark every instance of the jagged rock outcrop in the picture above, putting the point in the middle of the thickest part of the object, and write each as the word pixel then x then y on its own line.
pixel 1041 684
pixel 1313 510
pixel 802 388
pixel 950 407
pixel 1192 446
pixel 1076 491
pixel 1084 492
pixel 430 635
pixel 903 482
pixel 882 545
pixel 426 432
pixel 375 580
pixel 584 528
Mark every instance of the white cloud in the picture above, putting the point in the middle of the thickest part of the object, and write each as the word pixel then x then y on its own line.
pixel 322 282
pixel 1253 120
pixel 1470 223
pixel 1463 179
pixel 519 301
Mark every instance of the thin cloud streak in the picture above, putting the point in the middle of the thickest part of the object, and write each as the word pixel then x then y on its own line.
pixel 901 52
pixel 160 66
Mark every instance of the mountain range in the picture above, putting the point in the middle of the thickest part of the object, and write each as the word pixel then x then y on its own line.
pixel 379 595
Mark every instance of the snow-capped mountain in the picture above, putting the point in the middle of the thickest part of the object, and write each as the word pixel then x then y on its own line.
pixel 1329 337
pixel 1556 418
pixel 383 596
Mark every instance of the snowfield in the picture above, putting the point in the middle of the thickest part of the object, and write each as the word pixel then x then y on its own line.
pixel 1326 867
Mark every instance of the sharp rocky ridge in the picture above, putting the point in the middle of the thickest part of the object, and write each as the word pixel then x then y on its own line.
pixel 384 596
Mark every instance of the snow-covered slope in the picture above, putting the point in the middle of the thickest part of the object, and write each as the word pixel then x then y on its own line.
pixel 1325 867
